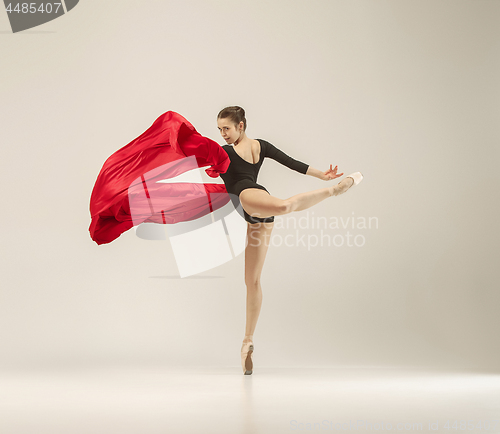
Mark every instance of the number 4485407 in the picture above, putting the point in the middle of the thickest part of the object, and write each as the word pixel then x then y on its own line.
pixel 30 8
pixel 469 425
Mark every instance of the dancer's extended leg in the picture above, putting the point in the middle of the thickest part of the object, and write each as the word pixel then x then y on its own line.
pixel 306 200
pixel 260 203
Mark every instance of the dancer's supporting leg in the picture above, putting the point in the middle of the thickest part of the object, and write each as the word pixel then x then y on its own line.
pixel 260 203
pixel 255 253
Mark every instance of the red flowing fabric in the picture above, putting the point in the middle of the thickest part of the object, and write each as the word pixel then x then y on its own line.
pixel 126 192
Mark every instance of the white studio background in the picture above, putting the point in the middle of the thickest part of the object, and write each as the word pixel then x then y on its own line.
pixel 405 92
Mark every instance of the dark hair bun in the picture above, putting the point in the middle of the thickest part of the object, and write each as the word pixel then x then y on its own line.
pixel 235 113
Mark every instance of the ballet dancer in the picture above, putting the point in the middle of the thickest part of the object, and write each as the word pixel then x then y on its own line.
pixel 260 207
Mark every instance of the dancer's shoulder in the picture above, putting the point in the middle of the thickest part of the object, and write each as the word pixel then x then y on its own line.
pixel 264 143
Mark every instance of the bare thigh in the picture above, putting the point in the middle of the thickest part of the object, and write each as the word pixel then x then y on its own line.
pixel 259 203
pixel 259 235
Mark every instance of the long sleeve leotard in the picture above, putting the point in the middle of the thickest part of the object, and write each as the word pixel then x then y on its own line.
pixel 241 174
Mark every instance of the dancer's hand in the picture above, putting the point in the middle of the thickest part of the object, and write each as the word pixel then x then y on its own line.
pixel 331 174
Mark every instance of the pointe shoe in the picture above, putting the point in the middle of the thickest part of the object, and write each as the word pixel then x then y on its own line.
pixel 357 177
pixel 246 357
pixel 342 188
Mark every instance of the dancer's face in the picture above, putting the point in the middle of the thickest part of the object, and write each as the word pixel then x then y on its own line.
pixel 228 130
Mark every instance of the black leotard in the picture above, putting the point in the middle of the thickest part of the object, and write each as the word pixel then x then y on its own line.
pixel 241 174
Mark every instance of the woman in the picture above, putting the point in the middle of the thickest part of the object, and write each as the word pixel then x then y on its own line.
pixel 260 207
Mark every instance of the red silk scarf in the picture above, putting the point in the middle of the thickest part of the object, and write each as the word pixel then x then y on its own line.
pixel 126 192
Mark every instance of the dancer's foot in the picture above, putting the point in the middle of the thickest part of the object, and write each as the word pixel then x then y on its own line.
pixel 246 356
pixel 346 184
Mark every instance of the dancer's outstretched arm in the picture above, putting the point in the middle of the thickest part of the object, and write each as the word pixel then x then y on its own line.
pixel 278 155
pixel 325 176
